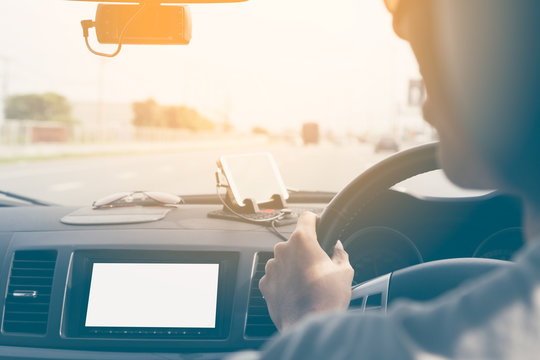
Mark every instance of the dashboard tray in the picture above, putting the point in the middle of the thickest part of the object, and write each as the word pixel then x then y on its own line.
pixel 120 215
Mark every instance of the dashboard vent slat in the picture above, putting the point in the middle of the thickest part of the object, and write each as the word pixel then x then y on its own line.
pixel 258 322
pixel 28 298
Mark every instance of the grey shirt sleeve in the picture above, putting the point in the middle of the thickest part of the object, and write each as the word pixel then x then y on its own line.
pixel 495 317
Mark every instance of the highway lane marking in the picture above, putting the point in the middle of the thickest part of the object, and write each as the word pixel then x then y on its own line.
pixel 66 186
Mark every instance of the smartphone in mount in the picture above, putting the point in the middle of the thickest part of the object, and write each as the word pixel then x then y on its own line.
pixel 252 176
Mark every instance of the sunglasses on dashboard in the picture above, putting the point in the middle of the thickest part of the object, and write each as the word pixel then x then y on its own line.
pixel 133 198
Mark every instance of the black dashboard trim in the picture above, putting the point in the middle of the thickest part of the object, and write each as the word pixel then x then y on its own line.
pixel 77 298
pixel 439 229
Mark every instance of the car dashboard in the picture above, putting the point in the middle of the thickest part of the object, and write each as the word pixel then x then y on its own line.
pixel 47 266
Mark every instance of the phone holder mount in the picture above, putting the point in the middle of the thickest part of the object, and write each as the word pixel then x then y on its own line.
pixel 250 206
pixel 269 213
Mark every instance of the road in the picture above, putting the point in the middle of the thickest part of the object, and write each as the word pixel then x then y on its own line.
pixel 79 181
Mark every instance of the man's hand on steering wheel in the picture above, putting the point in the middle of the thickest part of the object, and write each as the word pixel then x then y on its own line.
pixel 301 279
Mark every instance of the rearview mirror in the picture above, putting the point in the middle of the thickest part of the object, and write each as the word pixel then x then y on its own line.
pixel 151 24
pixel 167 1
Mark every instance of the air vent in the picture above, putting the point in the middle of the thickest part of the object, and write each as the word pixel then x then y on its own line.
pixel 374 302
pixel 29 292
pixel 356 303
pixel 258 322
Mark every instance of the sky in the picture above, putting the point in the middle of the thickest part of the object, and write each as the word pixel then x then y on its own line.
pixel 270 63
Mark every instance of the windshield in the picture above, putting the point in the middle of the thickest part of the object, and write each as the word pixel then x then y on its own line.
pixel 326 88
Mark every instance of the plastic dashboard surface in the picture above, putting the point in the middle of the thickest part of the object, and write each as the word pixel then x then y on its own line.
pixel 438 229
pixel 186 235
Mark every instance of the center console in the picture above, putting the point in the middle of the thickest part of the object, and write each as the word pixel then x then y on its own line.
pixel 134 294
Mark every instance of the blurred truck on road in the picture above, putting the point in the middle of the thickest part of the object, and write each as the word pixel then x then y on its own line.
pixel 310 133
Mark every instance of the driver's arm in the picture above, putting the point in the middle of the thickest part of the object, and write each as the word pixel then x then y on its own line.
pixel 301 279
pixel 494 317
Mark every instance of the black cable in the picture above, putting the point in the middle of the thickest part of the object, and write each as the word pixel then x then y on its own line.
pixel 277 232
pixel 100 53
pixel 87 24
pixel 270 223
pixel 256 221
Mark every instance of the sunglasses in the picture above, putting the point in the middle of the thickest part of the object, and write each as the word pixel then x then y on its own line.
pixel 134 198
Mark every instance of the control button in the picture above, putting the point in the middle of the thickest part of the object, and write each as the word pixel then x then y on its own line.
pixel 32 294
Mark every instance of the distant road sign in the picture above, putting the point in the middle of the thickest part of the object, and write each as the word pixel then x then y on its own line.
pixel 417 93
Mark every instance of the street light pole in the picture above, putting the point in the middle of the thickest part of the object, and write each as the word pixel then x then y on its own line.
pixel 101 75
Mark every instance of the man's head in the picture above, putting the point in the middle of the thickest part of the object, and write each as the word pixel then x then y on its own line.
pixel 480 60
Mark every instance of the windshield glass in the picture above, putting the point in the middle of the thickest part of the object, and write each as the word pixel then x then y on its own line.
pixel 326 88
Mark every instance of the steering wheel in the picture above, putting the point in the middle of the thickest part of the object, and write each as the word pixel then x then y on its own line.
pixel 419 282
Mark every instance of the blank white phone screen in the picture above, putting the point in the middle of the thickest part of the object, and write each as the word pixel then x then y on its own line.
pixel 253 176
pixel 153 295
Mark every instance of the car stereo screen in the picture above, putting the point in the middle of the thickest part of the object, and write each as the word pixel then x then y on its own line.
pixel 153 295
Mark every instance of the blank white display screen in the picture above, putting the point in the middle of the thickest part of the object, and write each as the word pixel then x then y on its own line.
pixel 253 176
pixel 153 295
